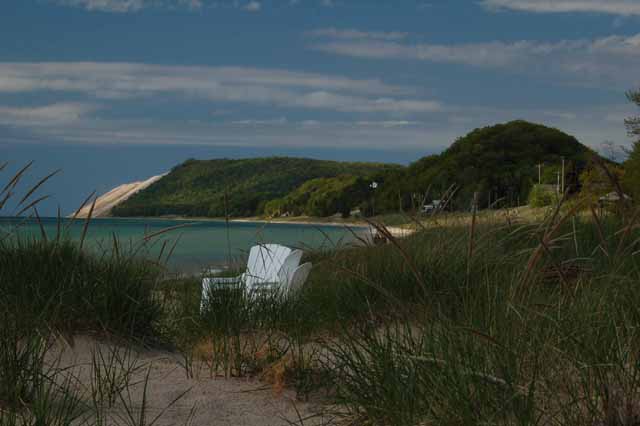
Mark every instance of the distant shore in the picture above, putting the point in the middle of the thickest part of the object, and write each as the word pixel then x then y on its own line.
pixel 396 231
pixel 302 220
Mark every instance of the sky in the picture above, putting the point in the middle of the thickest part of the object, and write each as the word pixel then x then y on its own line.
pixel 112 91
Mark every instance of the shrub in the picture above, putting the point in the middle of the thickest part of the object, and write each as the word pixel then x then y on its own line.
pixel 542 196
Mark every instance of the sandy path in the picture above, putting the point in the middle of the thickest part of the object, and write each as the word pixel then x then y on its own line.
pixel 241 402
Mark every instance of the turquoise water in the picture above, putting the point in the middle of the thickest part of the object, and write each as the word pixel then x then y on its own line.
pixel 198 244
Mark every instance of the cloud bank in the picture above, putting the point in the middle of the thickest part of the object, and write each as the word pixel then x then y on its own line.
pixel 129 6
pixel 612 7
pixel 54 114
pixel 603 61
pixel 114 6
pixel 352 34
pixel 266 87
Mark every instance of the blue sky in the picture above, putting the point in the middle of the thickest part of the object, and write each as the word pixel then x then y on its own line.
pixel 118 90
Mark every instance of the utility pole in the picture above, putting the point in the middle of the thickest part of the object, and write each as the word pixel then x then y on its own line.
pixel 373 186
pixel 539 173
pixel 558 182
pixel 563 175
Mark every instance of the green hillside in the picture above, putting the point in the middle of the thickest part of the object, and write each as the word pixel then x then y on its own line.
pixel 498 162
pixel 323 197
pixel 198 188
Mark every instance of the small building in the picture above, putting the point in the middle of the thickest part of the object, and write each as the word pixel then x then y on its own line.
pixel 612 198
pixel 613 202
pixel 431 207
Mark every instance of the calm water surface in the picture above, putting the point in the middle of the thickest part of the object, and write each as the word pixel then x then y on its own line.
pixel 199 244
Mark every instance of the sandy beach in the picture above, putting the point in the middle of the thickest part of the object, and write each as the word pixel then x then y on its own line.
pixel 210 401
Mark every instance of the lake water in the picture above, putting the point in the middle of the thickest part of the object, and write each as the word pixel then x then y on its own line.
pixel 200 244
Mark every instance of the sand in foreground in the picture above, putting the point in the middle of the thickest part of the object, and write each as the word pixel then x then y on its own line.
pixel 241 402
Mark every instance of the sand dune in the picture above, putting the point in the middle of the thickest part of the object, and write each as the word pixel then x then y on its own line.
pixel 107 201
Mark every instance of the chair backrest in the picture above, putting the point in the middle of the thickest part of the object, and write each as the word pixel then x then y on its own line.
pixel 288 268
pixel 299 277
pixel 265 260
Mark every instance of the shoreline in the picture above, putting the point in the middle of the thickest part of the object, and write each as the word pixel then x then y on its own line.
pixel 396 231
pixel 302 221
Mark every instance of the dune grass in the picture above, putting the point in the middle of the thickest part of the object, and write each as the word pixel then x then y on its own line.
pixel 51 290
pixel 56 283
pixel 501 321
pixel 536 324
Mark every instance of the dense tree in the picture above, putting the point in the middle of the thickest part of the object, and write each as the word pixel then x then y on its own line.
pixel 631 179
pixel 633 123
pixel 499 162
pixel 596 182
pixel 216 188
pixel 322 197
pixel 542 195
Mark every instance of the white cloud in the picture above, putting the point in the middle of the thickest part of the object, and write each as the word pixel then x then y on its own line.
pixel 280 88
pixel 116 6
pixel 54 114
pixel 591 125
pixel 134 79
pixel 253 6
pixel 192 4
pixel 273 122
pixel 613 7
pixel 351 34
pixel 246 133
pixel 561 115
pixel 387 124
pixel 343 103
pixel 124 6
pixel 606 60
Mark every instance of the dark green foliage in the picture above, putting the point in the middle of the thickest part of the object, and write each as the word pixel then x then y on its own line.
pixel 631 179
pixel 633 123
pixel 60 286
pixel 215 188
pixel 52 288
pixel 497 348
pixel 632 164
pixel 543 196
pixel 420 333
pixel 322 197
pixel 498 162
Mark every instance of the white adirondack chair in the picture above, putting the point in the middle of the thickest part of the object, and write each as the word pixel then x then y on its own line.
pixel 293 283
pixel 265 261
pixel 267 265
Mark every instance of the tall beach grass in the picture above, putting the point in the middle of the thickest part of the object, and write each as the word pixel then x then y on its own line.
pixel 473 320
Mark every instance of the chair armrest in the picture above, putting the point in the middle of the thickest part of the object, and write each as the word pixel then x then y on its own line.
pixel 222 280
pixel 264 289
pixel 210 284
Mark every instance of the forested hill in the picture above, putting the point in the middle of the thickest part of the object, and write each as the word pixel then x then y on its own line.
pixel 237 187
pixel 497 162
